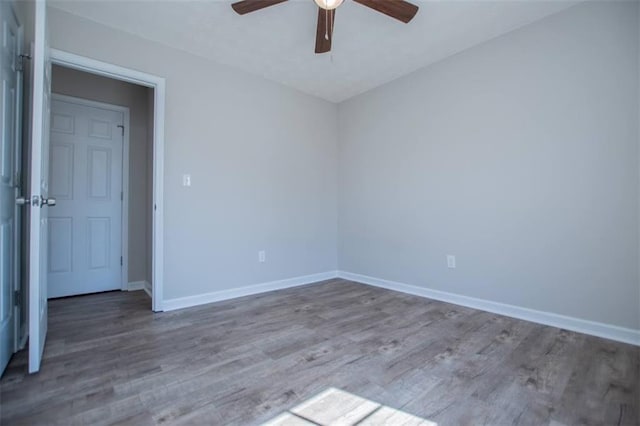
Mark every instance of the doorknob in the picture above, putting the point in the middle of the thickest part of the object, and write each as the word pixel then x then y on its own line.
pixel 23 201
pixel 47 202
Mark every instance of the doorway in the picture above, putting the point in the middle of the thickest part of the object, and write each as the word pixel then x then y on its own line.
pixel 89 143
pixel 101 160
pixel 156 86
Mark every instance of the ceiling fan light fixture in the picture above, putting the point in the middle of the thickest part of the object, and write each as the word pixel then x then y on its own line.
pixel 401 10
pixel 328 4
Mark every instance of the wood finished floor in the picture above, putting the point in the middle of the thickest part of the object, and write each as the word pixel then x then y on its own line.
pixel 109 359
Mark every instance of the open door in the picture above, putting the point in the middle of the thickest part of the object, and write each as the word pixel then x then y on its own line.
pixel 10 139
pixel 39 176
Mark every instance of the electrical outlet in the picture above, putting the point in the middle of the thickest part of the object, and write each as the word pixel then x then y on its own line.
pixel 262 256
pixel 451 261
pixel 186 180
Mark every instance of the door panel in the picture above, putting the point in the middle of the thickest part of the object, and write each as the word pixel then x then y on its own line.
pixel 8 105
pixel 61 185
pixel 9 143
pixel 98 242
pixel 85 228
pixel 6 301
pixel 99 173
pixel 38 212
pixel 60 257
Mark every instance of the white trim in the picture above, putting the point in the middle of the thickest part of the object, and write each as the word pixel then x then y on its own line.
pixel 105 69
pixel 124 272
pixel 217 296
pixel 607 331
pixel 124 205
pixel 147 289
pixel 136 286
pixel 25 337
pixel 19 285
pixel 157 262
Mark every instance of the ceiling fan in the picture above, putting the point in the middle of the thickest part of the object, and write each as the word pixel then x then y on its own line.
pixel 398 9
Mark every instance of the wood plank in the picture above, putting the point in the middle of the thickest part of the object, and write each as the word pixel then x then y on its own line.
pixel 109 359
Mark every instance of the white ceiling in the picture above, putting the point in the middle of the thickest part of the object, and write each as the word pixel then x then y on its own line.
pixel 369 49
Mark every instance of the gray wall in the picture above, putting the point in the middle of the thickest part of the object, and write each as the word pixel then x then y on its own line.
pixel 262 159
pixel 66 81
pixel 519 156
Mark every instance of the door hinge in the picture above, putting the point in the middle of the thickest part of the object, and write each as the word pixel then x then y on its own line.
pixel 20 62
pixel 17 298
pixel 121 261
pixel 122 128
pixel 121 195
pixel 17 181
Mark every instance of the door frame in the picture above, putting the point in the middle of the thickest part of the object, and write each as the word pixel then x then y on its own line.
pixel 17 287
pixel 21 334
pixel 93 66
pixel 124 205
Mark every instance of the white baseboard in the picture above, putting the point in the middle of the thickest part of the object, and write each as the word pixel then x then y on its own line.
pixel 24 332
pixel 136 285
pixel 217 296
pixel 607 331
pixel 148 289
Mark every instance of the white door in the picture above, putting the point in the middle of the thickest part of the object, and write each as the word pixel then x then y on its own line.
pixel 9 180
pixel 39 199
pixel 85 227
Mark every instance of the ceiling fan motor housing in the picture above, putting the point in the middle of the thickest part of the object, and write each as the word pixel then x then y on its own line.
pixel 328 4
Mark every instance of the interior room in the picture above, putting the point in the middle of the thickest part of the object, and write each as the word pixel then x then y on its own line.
pixel 320 212
pixel 77 94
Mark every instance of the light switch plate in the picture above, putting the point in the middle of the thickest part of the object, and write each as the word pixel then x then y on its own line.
pixel 451 261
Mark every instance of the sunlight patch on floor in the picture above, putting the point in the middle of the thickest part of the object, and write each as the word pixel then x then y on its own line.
pixel 335 407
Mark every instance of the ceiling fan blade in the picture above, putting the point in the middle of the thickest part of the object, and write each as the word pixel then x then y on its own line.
pixel 247 6
pixel 324 33
pixel 399 9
